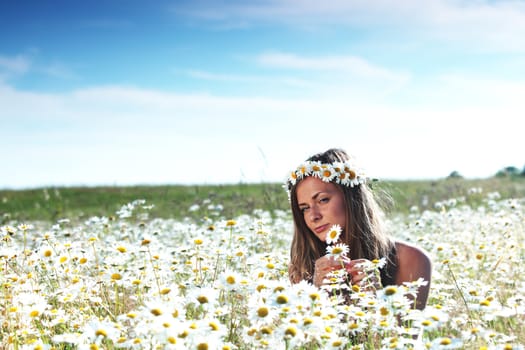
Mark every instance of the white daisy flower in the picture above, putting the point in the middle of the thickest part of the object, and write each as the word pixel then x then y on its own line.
pixel 260 313
pixel 204 297
pixel 292 178
pixel 344 173
pixel 304 170
pixel 333 235
pixel 316 169
pixel 231 280
pixel 327 173
pixel 337 251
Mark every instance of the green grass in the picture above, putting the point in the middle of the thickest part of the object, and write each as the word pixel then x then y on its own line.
pixel 174 201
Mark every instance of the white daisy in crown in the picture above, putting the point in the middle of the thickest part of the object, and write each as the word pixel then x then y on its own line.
pixel 316 168
pixel 292 178
pixel 341 177
pixel 303 170
pixel 343 173
pixel 327 173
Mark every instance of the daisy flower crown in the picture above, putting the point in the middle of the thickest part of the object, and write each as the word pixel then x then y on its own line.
pixel 343 173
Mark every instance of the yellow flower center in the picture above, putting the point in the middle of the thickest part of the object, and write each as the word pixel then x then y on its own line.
pixel 291 331
pixel 156 312
pixel 266 330
pixel 337 250
pixel 101 332
pixel 263 311
pixel 116 277
pixel 445 341
pixel 390 290
pixel 282 299
pixel 315 296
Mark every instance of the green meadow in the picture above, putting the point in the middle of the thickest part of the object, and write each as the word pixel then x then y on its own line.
pixel 205 267
pixel 175 201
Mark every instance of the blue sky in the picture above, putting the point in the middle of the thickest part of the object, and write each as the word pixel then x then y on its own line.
pixel 193 92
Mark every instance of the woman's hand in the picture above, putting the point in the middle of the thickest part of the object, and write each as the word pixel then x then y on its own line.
pixel 324 266
pixel 362 275
pixel 358 270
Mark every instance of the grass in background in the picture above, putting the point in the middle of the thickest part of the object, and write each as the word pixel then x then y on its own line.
pixel 169 201
pixel 175 201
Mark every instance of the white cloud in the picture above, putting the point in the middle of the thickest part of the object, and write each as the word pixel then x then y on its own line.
pixel 486 25
pixel 24 64
pixel 16 65
pixel 123 135
pixel 250 79
pixel 58 70
pixel 340 64
pixel 289 75
pixel 468 25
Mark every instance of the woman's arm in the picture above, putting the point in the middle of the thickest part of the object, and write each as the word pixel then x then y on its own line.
pixel 414 263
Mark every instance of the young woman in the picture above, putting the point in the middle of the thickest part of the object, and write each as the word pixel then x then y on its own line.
pixel 328 191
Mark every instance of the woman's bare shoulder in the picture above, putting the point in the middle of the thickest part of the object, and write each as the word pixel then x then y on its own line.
pixel 414 264
pixel 410 250
pixel 413 260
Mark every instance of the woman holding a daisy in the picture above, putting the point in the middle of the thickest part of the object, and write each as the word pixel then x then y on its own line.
pixel 339 227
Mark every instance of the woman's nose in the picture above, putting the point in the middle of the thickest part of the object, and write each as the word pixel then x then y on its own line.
pixel 315 214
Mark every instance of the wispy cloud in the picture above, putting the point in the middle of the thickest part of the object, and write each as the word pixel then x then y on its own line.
pixel 288 74
pixel 14 65
pixel 26 64
pixel 250 79
pixel 486 25
pixel 341 64
pixel 57 70
pixel 481 25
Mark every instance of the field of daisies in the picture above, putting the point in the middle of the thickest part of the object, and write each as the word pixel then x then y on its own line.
pixel 130 281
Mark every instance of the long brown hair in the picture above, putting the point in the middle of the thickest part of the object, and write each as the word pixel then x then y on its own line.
pixel 364 232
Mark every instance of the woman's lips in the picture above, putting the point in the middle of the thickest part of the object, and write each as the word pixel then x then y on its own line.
pixel 321 229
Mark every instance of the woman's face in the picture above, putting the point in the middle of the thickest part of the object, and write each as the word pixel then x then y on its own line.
pixel 322 204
